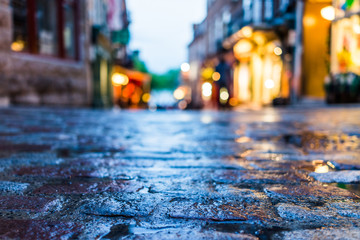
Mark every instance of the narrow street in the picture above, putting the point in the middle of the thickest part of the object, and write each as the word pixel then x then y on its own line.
pixel 93 174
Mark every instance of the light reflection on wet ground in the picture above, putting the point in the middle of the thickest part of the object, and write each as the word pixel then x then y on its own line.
pixel 164 175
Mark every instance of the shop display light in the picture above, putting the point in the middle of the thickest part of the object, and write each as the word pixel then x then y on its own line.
pixel 328 13
pixel 119 79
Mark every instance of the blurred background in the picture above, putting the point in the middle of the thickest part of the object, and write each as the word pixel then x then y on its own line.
pixel 179 54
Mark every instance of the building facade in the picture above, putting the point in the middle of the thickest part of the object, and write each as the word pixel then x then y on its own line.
pixel 276 51
pixel 343 85
pixel 43 52
pixel 109 37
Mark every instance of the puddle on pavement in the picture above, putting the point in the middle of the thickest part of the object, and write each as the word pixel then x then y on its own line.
pixel 355 187
pixel 117 231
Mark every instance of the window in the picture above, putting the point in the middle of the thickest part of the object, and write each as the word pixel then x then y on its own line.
pixel 46 27
pixel 46 23
pixel 69 28
pixel 20 34
pixel 247 5
pixel 268 9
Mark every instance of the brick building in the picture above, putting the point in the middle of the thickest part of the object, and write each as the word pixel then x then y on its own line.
pixel 43 52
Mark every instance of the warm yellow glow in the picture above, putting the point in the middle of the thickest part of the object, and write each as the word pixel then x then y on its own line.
pixel 224 95
pixel 185 67
pixel 233 102
pixel 322 169
pixel 119 79
pixel 17 46
pixel 269 84
pixel 320 166
pixel 278 51
pixel 357 29
pixel 243 46
pixel 328 13
pixel 146 97
pixel 179 93
pixel 216 76
pixel 243 139
pixel 206 89
pixel 247 31
pixel 309 21
pixel 207 73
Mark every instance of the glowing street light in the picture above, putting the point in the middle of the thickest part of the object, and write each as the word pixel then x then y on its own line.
pixel 185 67
pixel 119 79
pixel 206 89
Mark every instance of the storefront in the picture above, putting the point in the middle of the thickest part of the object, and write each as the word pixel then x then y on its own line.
pixel 258 75
pixel 131 89
pixel 344 84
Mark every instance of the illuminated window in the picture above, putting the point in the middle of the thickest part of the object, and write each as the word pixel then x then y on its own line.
pixel 45 27
pixel 20 34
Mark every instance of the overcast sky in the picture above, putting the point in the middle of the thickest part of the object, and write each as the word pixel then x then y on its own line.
pixel 162 29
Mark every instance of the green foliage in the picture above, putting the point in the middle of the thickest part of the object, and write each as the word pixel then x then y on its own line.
pixel 169 80
pixel 139 65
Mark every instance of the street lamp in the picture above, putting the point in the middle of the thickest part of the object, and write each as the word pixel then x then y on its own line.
pixel 185 67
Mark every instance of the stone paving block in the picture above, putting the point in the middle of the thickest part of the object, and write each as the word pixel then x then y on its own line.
pixel 13 187
pixel 220 210
pixel 326 234
pixel 38 229
pixel 189 234
pixel 124 207
pixel 346 208
pixel 64 172
pixel 346 164
pixel 271 177
pixel 295 213
pixel 308 193
pixel 337 177
pixel 23 147
pixel 32 204
pixel 76 187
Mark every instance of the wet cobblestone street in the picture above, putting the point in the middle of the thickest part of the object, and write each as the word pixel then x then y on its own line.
pixel 93 174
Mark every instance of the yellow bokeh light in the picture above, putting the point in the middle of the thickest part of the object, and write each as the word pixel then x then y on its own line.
pixel 247 31
pixel 206 89
pixel 179 94
pixel 119 79
pixel 216 76
pixel 278 51
pixel 233 102
pixel 146 97
pixel 17 46
pixel 224 95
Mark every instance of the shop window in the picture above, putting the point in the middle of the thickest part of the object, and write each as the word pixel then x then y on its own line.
pixel 45 27
pixel 20 33
pixel 247 6
pixel 69 28
pixel 268 14
pixel 46 22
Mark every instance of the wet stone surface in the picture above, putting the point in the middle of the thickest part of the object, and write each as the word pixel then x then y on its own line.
pixel 94 174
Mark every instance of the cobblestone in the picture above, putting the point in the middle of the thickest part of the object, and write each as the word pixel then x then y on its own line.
pixel 103 174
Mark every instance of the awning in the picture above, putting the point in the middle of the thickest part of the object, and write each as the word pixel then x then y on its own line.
pixel 132 74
